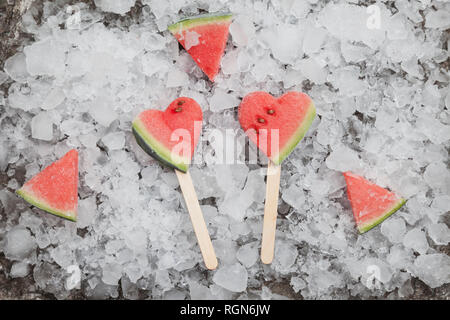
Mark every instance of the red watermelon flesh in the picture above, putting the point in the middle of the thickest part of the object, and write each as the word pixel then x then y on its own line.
pixel 204 38
pixel 170 136
pixel 276 125
pixel 55 189
pixel 371 204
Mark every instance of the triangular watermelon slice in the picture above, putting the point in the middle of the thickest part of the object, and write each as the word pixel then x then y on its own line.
pixel 55 189
pixel 204 37
pixel 371 204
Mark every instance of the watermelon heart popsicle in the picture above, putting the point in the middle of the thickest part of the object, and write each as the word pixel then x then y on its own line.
pixel 204 37
pixel 371 204
pixel 170 137
pixel 276 126
pixel 55 189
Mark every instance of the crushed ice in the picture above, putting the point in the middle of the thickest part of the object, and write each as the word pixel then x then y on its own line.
pixel 377 77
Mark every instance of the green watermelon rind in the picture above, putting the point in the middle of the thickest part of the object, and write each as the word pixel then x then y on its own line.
pixel 30 198
pixel 297 137
pixel 155 149
pixel 376 221
pixel 196 21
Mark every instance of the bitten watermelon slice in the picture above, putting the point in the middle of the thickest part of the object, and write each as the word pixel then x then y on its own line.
pixel 276 126
pixel 371 204
pixel 204 38
pixel 170 136
pixel 55 189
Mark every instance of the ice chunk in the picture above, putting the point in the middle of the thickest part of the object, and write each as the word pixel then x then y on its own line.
pixel 397 52
pixel 285 42
pixel 313 40
pixel 162 279
pixel 433 269
pixel 439 233
pixel 46 57
pixel 406 289
pixel 244 61
pixel 225 250
pixel 119 7
pixel 285 255
pixel 299 9
pixel 16 67
pixel 437 176
pixel 42 127
pixel 398 257
pixel 233 277
pixel 158 7
pixel 294 196
pixel 3 77
pixel 394 229
pixel 397 29
pixel 441 203
pixel 114 140
pixel 149 175
pixel 73 127
pixel 347 80
pixel 155 63
pixel 199 292
pixel 416 240
pixel 354 53
pixel 355 23
pixel 177 78
pixel 19 243
pixel 104 291
pixel 346 107
pixel 321 280
pixel 87 210
pixel 433 129
pixel 50 278
pixel 112 272
pixel 313 71
pixel 385 119
pixel 153 41
pixel 230 62
pixel 439 19
pixel 53 99
pixel 78 63
pixel 248 254
pixel 222 100
pixel 129 289
pixel 298 284
pixel 137 240
pixel 237 204
pixel 343 159
pixel 19 269
pixel 413 68
pixel 102 111
pixel 191 39
pixel 62 255
pixel 242 30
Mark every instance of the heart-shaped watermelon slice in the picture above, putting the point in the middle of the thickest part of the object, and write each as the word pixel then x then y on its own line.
pixel 204 37
pixel 55 189
pixel 276 125
pixel 170 136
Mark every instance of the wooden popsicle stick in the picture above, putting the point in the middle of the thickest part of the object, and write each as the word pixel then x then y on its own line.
pixel 198 222
pixel 270 212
